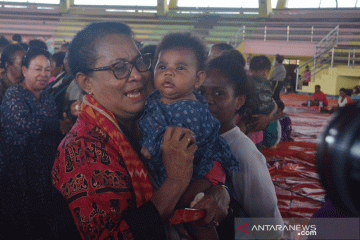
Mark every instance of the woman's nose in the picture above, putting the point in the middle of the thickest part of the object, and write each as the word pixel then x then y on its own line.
pixel 135 74
pixel 44 73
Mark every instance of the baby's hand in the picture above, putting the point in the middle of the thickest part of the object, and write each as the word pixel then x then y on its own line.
pixel 145 153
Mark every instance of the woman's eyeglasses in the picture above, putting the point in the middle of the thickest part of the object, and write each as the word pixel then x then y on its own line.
pixel 123 70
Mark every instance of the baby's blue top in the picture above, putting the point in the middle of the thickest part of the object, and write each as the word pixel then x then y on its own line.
pixel 191 114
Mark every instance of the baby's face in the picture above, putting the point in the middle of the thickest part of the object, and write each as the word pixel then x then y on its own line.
pixel 176 73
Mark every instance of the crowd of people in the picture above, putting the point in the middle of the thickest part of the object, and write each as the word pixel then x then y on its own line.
pixel 103 140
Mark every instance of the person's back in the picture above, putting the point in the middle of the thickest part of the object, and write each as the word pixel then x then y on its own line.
pixel 260 96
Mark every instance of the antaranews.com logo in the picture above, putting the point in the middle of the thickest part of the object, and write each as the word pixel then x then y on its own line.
pixel 297 228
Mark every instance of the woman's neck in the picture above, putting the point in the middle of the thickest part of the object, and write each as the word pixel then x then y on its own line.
pixel 12 79
pixel 225 127
pixel 129 124
pixel 37 93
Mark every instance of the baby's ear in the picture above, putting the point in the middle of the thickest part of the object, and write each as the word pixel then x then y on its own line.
pixel 200 78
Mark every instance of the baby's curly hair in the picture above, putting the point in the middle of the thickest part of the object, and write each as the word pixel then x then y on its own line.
pixel 183 40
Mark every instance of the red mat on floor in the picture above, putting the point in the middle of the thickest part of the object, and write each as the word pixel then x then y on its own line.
pixel 292 164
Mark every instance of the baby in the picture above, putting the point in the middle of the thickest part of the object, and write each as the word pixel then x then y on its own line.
pixel 180 62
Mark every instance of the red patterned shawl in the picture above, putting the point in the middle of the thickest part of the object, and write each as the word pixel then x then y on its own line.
pixel 100 174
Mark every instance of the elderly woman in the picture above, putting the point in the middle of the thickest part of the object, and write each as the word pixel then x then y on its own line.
pixel 11 63
pixel 30 134
pixel 99 168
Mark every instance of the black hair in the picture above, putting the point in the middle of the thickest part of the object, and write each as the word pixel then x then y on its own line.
pixel 318 86
pixel 235 54
pixel 32 53
pixel 8 54
pixel 307 67
pixel 3 41
pixel 357 89
pixel 343 89
pixel 279 58
pixel 65 44
pixel 260 63
pixel 36 43
pixel 223 46
pixel 184 40
pixel 24 45
pixel 280 105
pixel 151 49
pixel 82 50
pixel 59 58
pixel 17 37
pixel 230 66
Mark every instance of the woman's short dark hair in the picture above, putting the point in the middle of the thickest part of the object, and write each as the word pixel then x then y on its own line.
pixel 280 105
pixel 222 46
pixel 260 63
pixel 279 58
pixel 343 90
pixel 229 65
pixel 3 42
pixel 184 40
pixel 82 50
pixel 59 58
pixel 8 54
pixel 17 37
pixel 36 43
pixel 32 53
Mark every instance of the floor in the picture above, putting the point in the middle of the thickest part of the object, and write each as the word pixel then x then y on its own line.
pixel 292 164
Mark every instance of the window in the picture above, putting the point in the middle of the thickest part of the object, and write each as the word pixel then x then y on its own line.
pixel 33 1
pixel 219 4
pixel 323 3
pixel 117 2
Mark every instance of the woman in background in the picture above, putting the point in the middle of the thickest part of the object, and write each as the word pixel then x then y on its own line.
pixel 30 134
pixel 226 88
pixel 11 63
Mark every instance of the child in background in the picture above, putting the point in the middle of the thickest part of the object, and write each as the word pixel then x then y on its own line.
pixel 285 123
pixel 180 61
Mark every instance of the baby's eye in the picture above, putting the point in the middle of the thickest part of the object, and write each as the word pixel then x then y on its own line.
pixel 201 92
pixel 218 93
pixel 180 68
pixel 162 67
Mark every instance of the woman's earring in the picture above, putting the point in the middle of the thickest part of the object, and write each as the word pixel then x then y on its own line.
pixel 90 93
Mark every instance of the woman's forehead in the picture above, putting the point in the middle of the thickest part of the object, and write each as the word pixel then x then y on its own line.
pixel 116 46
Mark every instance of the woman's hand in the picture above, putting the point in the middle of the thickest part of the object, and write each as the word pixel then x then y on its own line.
pixel 178 151
pixel 75 108
pixel 216 203
pixel 65 125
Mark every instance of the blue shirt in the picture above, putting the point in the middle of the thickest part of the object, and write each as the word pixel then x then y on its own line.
pixel 191 114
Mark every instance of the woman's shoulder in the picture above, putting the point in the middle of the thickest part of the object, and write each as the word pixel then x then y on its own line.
pixel 241 145
pixel 14 93
pixel 14 89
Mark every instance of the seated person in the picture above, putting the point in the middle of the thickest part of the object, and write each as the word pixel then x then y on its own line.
pixel 343 100
pixel 318 96
pixel 272 134
pixel 355 93
pixel 285 123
